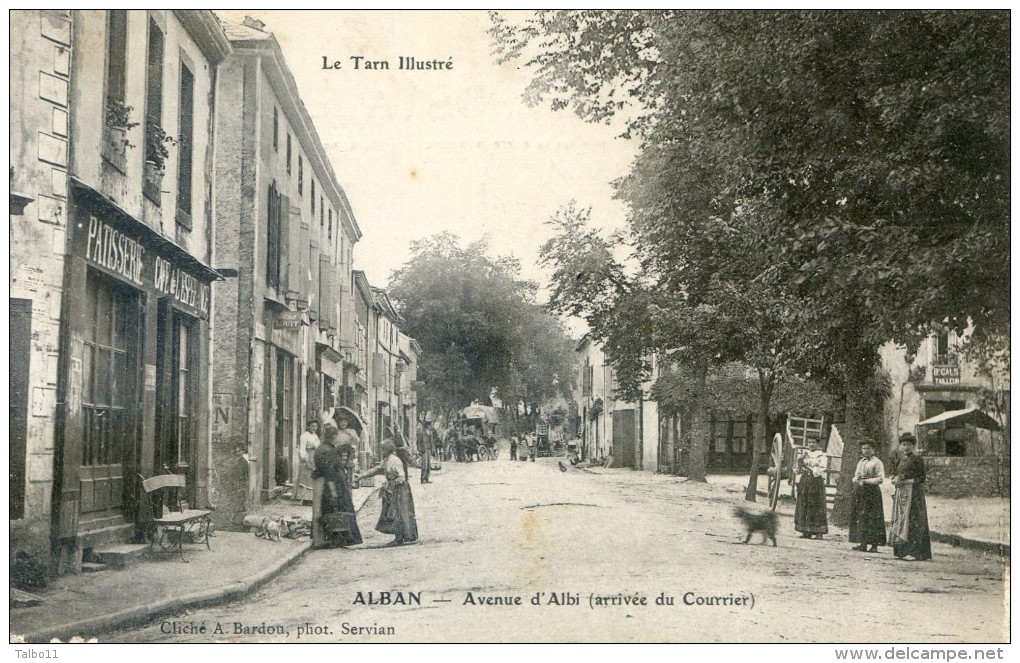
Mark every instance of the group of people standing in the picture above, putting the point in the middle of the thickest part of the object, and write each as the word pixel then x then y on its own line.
pixel 909 533
pixel 327 474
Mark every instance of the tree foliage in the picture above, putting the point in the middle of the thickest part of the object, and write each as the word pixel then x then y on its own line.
pixel 480 329
pixel 852 166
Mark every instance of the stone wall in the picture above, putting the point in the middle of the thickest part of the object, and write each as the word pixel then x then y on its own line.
pixel 955 476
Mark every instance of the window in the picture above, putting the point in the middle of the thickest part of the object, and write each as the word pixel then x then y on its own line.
pixel 116 54
pixel 330 228
pixel 322 213
pixel 942 349
pixel 313 200
pixel 107 363
pixel 183 390
pixel 155 137
pixel 186 129
pixel 276 128
pixel 300 176
pixel 288 152
pixel 274 228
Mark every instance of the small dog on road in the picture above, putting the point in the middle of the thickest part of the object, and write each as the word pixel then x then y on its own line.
pixel 758 521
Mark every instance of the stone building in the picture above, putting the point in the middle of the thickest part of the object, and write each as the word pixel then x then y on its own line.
pixel 285 232
pixel 627 430
pixel 122 216
pixel 961 458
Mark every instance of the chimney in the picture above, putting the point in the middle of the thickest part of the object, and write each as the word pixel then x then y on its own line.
pixel 253 23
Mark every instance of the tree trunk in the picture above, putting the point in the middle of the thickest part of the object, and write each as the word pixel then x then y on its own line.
pixel 860 426
pixel 696 468
pixel 766 383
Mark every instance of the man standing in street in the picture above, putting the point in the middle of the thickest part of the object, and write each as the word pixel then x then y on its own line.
pixel 426 441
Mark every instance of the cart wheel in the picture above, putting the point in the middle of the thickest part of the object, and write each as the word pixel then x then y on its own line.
pixel 775 470
pixel 483 453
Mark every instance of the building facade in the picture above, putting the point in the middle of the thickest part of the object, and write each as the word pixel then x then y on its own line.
pixel 285 232
pixel 629 431
pixel 133 95
pixel 961 459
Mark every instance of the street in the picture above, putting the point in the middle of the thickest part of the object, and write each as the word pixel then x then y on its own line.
pixel 616 557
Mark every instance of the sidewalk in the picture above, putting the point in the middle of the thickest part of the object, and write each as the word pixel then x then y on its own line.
pixel 95 603
pixel 981 523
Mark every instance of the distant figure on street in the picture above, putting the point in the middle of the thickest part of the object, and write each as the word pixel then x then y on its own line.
pixel 532 444
pixel 513 447
pixel 397 516
pixel 334 521
pixel 307 445
pixel 427 438
pixel 909 534
pixel 809 517
pixel 867 518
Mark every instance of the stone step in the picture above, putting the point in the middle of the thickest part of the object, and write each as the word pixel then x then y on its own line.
pixel 121 555
pixel 92 567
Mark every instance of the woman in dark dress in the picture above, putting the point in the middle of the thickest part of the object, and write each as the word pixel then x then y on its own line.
pixel 397 516
pixel 867 518
pixel 913 539
pixel 334 497
pixel 810 515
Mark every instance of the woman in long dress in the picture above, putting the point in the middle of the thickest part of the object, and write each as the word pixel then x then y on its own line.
pixel 810 517
pixel 309 442
pixel 867 518
pixel 397 516
pixel 910 534
pixel 332 496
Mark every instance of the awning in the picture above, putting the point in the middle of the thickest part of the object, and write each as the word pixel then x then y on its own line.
pixel 971 415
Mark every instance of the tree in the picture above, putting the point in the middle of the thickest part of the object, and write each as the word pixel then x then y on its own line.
pixel 872 145
pixel 480 330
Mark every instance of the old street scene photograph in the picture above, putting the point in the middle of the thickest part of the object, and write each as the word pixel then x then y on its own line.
pixel 552 326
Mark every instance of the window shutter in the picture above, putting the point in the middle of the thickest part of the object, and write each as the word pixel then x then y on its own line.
pixel 325 311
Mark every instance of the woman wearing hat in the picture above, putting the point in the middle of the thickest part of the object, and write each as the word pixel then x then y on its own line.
pixel 397 516
pixel 909 534
pixel 334 521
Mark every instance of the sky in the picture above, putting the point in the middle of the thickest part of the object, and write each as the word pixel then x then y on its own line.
pixel 421 152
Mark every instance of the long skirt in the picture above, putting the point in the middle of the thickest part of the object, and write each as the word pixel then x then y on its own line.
pixel 397 515
pixel 867 518
pixel 918 537
pixel 325 503
pixel 303 489
pixel 809 516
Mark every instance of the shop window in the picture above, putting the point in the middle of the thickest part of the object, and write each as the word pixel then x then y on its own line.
pixel 108 391
pixel 186 128
pixel 183 390
pixel 952 438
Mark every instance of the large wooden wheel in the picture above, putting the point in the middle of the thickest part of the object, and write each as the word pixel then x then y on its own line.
pixel 775 470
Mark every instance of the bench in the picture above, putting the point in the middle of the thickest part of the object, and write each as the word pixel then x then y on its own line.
pixel 174 524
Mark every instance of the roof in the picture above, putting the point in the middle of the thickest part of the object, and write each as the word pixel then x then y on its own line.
pixel 251 38
pixel 207 32
pixel 970 415
pixel 382 300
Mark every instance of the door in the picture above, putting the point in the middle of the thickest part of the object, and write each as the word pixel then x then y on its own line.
pixel 284 416
pixel 21 348
pixel 624 440
pixel 109 398
pixel 175 386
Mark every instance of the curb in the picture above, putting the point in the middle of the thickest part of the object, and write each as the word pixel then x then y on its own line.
pixel 138 615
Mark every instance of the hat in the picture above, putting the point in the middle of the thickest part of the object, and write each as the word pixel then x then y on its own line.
pixel 353 420
pixel 907 438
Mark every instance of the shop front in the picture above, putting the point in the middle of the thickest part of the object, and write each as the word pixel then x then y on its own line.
pixel 133 376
